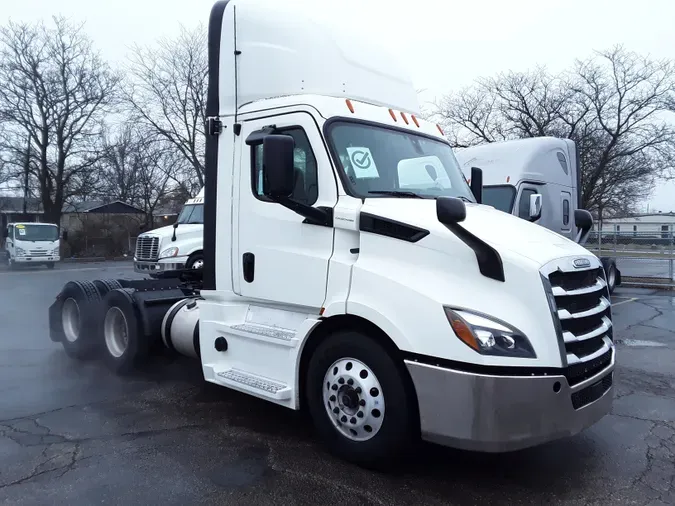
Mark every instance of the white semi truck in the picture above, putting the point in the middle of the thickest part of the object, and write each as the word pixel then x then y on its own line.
pixel 537 179
pixel 32 244
pixel 388 311
pixel 174 247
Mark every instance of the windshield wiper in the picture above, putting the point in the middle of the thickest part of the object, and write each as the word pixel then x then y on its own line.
pixel 465 199
pixel 397 193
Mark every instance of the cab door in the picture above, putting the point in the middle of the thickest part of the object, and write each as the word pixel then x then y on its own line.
pixel 278 256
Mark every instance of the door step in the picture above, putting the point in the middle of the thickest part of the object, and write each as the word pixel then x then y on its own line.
pixel 255 384
pixel 274 335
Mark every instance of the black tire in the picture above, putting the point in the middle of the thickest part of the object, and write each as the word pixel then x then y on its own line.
pixel 194 259
pixel 125 359
pixel 611 273
pixel 106 285
pixel 80 303
pixel 51 265
pixel 398 428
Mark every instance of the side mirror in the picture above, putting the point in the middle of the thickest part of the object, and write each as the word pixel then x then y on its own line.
pixel 536 202
pixel 64 235
pixel 278 169
pixel 450 210
pixel 5 233
pixel 477 184
pixel 584 222
pixel 142 226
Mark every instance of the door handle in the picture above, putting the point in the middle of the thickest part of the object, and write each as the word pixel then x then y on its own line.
pixel 248 266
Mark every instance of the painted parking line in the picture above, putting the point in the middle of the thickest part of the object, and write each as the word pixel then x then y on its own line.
pixel 632 299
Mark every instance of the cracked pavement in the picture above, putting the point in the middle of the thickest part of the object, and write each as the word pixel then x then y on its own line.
pixel 72 433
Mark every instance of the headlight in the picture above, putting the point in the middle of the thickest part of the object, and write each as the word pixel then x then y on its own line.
pixel 169 252
pixel 488 336
pixel 20 252
pixel 55 252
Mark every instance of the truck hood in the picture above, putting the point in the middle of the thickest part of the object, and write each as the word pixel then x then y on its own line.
pixel 182 230
pixel 500 230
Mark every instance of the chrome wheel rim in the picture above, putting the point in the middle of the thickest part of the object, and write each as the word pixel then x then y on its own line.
pixel 199 264
pixel 353 398
pixel 116 332
pixel 70 318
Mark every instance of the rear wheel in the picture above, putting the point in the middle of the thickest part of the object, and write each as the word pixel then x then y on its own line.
pixel 124 344
pixel 359 400
pixel 78 319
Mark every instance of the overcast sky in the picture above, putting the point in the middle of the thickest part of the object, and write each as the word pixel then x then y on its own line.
pixel 445 44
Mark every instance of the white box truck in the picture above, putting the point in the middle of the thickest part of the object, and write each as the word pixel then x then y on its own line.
pixel 32 244
pixel 389 312
pixel 174 247
pixel 537 179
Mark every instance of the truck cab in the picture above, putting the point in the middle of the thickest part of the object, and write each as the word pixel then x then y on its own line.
pixel 174 247
pixel 32 244
pixel 537 179
pixel 349 269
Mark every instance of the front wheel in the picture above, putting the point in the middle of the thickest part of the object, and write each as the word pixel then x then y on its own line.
pixel 359 400
pixel 50 265
pixel 196 261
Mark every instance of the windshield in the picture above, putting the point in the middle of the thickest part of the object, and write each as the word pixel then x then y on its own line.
pixel 36 233
pixel 193 213
pixel 381 162
pixel 499 197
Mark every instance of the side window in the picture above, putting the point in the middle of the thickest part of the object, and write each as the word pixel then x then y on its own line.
pixel 566 212
pixel 306 187
pixel 524 204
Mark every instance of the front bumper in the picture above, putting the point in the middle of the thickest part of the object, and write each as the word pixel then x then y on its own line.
pixel 505 413
pixel 36 260
pixel 170 264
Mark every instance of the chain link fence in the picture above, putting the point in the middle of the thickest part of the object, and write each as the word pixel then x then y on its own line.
pixel 645 257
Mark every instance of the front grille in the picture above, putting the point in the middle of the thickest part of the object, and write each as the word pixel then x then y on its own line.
pixel 38 253
pixel 584 317
pixel 147 248
pixel 592 392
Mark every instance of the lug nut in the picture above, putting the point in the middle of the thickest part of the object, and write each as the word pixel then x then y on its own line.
pixel 360 414
pixel 350 382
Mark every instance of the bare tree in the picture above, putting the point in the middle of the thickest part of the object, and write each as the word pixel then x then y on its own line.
pixel 54 87
pixel 608 104
pixel 136 168
pixel 120 163
pixel 168 94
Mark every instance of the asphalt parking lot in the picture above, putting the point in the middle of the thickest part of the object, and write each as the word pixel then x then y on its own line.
pixel 72 433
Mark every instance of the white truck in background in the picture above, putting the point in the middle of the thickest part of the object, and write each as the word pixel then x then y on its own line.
pixel 32 244
pixel 537 179
pixel 342 278
pixel 174 247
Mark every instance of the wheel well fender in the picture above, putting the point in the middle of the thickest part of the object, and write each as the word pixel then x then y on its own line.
pixel 351 322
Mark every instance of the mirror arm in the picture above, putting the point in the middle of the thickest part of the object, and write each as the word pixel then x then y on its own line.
pixel 314 215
